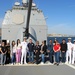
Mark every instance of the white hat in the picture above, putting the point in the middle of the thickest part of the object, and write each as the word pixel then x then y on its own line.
pixel 69 38
pixel 25 37
pixel 8 41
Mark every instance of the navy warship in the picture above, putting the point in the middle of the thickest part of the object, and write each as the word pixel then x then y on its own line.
pixel 18 23
pixel 24 20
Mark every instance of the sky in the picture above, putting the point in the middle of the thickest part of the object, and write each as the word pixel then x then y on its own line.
pixel 60 14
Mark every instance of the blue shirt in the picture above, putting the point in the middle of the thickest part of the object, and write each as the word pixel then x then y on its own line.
pixel 50 47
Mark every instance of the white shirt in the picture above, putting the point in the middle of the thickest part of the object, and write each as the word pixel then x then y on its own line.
pixel 24 46
pixel 19 46
pixel 73 47
pixel 14 49
pixel 69 46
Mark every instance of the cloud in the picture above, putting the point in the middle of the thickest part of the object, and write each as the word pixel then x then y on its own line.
pixel 62 29
pixel 1 22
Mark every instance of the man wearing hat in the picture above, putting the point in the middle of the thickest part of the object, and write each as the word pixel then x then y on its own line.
pixel 69 51
pixel 73 53
pixel 24 50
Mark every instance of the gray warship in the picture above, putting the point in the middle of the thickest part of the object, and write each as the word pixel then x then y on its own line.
pixel 24 20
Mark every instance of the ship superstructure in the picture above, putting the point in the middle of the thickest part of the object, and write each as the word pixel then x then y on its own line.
pixel 15 20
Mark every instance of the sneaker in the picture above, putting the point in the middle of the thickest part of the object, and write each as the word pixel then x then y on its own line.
pixel 72 63
pixel 69 62
pixel 66 62
pixel 50 63
pixel 57 64
pixel 12 64
pixel 19 63
pixel 42 63
pixel 25 63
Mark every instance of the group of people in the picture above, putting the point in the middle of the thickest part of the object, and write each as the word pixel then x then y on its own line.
pixel 30 53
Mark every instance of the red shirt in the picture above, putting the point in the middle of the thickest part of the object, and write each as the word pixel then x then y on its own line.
pixel 56 48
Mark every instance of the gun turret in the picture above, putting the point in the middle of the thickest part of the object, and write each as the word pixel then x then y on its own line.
pixel 26 33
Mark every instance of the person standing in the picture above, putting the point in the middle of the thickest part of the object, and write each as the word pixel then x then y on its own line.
pixel 50 51
pixel 8 53
pixel 73 53
pixel 3 53
pixel 63 50
pixel 37 49
pixel 56 49
pixel 69 51
pixel 24 50
pixel 18 51
pixel 0 53
pixel 13 53
pixel 43 51
pixel 31 51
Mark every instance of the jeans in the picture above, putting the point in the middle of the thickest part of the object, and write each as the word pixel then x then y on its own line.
pixel 63 56
pixel 57 55
pixel 13 60
pixel 0 58
pixel 31 56
pixel 43 57
pixel 51 57
pixel 3 59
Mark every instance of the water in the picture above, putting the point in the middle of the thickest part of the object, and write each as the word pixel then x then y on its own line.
pixel 60 39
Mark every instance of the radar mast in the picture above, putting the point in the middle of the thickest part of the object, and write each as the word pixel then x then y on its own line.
pixel 25 2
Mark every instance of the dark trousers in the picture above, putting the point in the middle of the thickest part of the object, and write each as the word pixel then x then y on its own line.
pixel 8 58
pixel 63 56
pixel 51 57
pixel 37 57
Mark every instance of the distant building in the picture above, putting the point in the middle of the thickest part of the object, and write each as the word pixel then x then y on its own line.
pixel 60 35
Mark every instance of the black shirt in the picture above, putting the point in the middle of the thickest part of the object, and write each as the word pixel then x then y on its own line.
pixel 44 48
pixel 31 47
pixel 3 48
pixel 38 48
pixel 8 49
pixel 63 47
